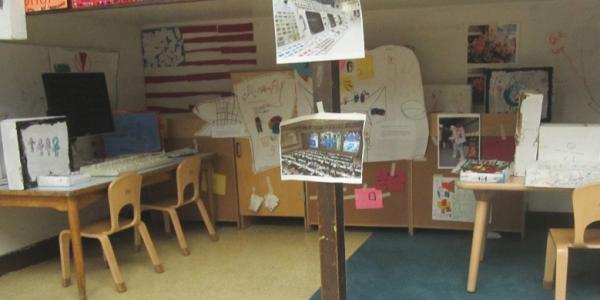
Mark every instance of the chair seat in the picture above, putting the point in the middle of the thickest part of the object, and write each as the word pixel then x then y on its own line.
pixel 102 227
pixel 164 204
pixel 566 236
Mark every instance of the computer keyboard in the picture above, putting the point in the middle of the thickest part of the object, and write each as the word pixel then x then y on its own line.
pixel 181 152
pixel 132 163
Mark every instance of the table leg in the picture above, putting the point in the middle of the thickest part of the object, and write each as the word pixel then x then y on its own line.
pixel 74 225
pixel 212 205
pixel 481 218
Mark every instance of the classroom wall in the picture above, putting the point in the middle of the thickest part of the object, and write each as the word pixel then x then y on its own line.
pixel 438 35
pixel 22 227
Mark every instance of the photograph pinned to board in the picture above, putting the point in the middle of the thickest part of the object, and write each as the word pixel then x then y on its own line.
pixel 323 147
pixel 450 203
pixel 492 44
pixel 311 30
pixel 505 85
pixel 458 139
pixel 476 79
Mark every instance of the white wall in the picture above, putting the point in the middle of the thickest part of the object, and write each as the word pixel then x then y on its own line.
pixel 21 227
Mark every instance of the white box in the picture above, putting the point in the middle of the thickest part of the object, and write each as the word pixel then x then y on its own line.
pixel 12 20
pixel 34 147
pixel 569 143
pixel 528 127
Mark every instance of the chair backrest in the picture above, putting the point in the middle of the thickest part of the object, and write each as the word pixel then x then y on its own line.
pixel 124 190
pixel 586 209
pixel 188 173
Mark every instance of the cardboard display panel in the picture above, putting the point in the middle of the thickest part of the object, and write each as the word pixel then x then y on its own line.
pixel 508 209
pixel 395 211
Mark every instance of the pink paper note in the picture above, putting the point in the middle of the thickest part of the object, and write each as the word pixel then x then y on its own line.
pixel 388 183
pixel 369 198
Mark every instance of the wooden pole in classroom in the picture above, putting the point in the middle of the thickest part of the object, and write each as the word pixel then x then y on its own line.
pixel 326 89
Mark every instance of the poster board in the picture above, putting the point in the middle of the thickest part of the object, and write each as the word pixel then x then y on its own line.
pixel 265 99
pixel 387 86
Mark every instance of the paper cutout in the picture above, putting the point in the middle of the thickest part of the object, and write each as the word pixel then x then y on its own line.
pixel 255 201
pixel 219 184
pixel 365 68
pixel 388 183
pixel 368 198
pixel 271 201
pixel 493 147
pixel 347 83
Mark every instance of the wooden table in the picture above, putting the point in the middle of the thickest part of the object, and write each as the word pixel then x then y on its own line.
pixel 72 199
pixel 484 192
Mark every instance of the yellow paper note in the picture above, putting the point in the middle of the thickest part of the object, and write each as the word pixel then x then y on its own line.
pixel 365 68
pixel 347 83
pixel 219 184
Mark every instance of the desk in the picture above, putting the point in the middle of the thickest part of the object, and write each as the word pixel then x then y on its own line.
pixel 483 194
pixel 72 199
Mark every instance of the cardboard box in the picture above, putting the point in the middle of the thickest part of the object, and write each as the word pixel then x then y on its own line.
pixel 181 125
pixel 527 131
pixel 34 147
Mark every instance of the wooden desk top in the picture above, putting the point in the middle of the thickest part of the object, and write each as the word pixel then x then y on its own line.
pixel 514 184
pixel 95 183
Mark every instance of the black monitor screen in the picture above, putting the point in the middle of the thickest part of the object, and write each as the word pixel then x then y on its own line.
pixel 315 23
pixel 331 20
pixel 83 98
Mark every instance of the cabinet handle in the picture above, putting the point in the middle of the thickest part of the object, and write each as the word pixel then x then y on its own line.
pixel 238 150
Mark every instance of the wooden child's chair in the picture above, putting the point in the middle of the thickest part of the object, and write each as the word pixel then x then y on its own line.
pixel 586 210
pixel 188 173
pixel 123 191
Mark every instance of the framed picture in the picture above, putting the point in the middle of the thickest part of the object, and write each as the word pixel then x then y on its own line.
pixel 503 87
pixel 459 137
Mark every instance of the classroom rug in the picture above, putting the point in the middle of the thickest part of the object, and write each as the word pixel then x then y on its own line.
pixel 434 264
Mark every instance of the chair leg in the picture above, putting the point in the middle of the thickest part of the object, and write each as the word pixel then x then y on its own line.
pixel 207 221
pixel 166 221
pixel 550 266
pixel 136 240
pixel 562 264
pixel 64 241
pixel 143 231
pixel 179 232
pixel 112 264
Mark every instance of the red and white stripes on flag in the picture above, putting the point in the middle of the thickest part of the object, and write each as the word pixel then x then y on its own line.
pixel 187 64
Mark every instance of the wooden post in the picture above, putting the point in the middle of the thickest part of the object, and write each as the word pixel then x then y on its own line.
pixel 326 88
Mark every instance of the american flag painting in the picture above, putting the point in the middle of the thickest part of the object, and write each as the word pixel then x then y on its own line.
pixel 187 64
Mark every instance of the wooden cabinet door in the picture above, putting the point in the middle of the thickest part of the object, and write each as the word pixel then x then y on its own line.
pixel 290 193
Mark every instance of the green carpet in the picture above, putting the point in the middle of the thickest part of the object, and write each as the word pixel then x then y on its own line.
pixel 434 264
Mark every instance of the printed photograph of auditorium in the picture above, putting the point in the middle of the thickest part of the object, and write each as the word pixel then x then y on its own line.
pixel 322 151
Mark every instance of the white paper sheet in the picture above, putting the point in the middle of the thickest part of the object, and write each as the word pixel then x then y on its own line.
pixel 12 20
pixel 308 30
pixel 569 143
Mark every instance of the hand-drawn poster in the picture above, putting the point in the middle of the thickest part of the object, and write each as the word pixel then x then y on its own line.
pixel 323 147
pixel 451 203
pixel 505 85
pixel 12 20
pixel 448 98
pixel 313 30
pixel 223 119
pixel 459 138
pixel 265 99
pixel 83 61
pixel 387 87
pixel 492 44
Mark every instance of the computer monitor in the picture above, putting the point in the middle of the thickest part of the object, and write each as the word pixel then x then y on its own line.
pixel 83 98
pixel 315 23
pixel 331 20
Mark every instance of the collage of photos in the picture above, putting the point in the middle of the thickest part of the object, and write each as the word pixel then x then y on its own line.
pixel 324 147
pixel 492 44
pixel 316 30
pixel 459 137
